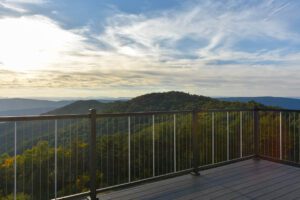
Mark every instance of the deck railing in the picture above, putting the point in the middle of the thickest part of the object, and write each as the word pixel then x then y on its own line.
pixel 74 156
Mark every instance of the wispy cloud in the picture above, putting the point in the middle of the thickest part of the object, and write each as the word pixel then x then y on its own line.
pixel 18 5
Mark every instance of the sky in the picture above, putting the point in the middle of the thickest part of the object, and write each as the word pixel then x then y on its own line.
pixel 113 48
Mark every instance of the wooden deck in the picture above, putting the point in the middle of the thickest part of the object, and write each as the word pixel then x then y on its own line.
pixel 248 179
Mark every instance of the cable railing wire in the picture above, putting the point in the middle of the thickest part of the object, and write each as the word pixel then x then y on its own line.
pixel 48 157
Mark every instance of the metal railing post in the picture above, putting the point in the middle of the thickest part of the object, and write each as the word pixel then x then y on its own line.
pixel 92 155
pixel 195 144
pixel 256 132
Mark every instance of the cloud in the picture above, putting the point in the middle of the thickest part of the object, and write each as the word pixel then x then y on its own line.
pixel 201 47
pixel 213 22
pixel 35 42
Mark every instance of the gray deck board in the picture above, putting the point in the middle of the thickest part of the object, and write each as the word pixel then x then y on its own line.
pixel 248 179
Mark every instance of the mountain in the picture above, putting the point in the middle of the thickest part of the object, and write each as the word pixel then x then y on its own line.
pixel 22 112
pixel 17 107
pixel 80 107
pixel 166 101
pixel 287 103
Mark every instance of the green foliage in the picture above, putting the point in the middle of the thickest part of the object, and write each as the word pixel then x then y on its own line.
pixel 35 171
pixel 20 196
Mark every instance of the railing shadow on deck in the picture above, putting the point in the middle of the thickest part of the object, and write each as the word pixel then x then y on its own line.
pixel 75 156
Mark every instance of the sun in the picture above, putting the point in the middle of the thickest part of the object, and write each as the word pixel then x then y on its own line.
pixel 32 43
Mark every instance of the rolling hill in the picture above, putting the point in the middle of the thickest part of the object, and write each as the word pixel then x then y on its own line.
pixel 153 102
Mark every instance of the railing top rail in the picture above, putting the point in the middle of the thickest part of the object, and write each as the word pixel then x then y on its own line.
pixel 173 112
pixel 142 113
pixel 168 112
pixel 76 116
pixel 278 110
pixel 255 109
pixel 41 117
pixel 224 110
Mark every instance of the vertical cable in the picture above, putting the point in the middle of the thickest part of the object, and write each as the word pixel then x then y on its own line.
pixel 40 163
pixel 166 143
pixel 280 135
pixel 241 134
pixel 187 147
pixel 113 151
pixel 32 156
pixel 15 163
pixel 175 143
pixel 48 164
pixel 76 152
pixel 294 147
pixel 6 176
pixel 271 136
pixel 153 144
pixel 144 146
pixel 274 136
pixel 213 138
pixel 70 166
pixel 227 135
pixel 129 153
pixel 99 121
pixel 107 151
pixel 190 140
pixel 23 149
pixel 139 155
pixel 63 158
pixel 289 143
pixel 299 136
pixel 118 150
pixel 55 160
pixel 134 145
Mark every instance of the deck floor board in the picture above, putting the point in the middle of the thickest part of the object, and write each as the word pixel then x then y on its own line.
pixel 249 179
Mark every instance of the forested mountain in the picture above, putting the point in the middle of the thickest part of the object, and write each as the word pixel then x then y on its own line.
pixel 154 102
pixel 80 107
pixel 288 103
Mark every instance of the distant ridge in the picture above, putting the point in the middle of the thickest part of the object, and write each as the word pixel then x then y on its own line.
pixel 283 102
pixel 165 101
pixel 19 106
pixel 81 107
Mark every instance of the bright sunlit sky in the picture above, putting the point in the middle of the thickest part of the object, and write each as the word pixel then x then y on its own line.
pixel 124 48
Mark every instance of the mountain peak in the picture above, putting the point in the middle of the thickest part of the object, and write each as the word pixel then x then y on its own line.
pixel 164 101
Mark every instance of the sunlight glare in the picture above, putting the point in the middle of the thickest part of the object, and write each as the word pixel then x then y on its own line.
pixel 32 43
